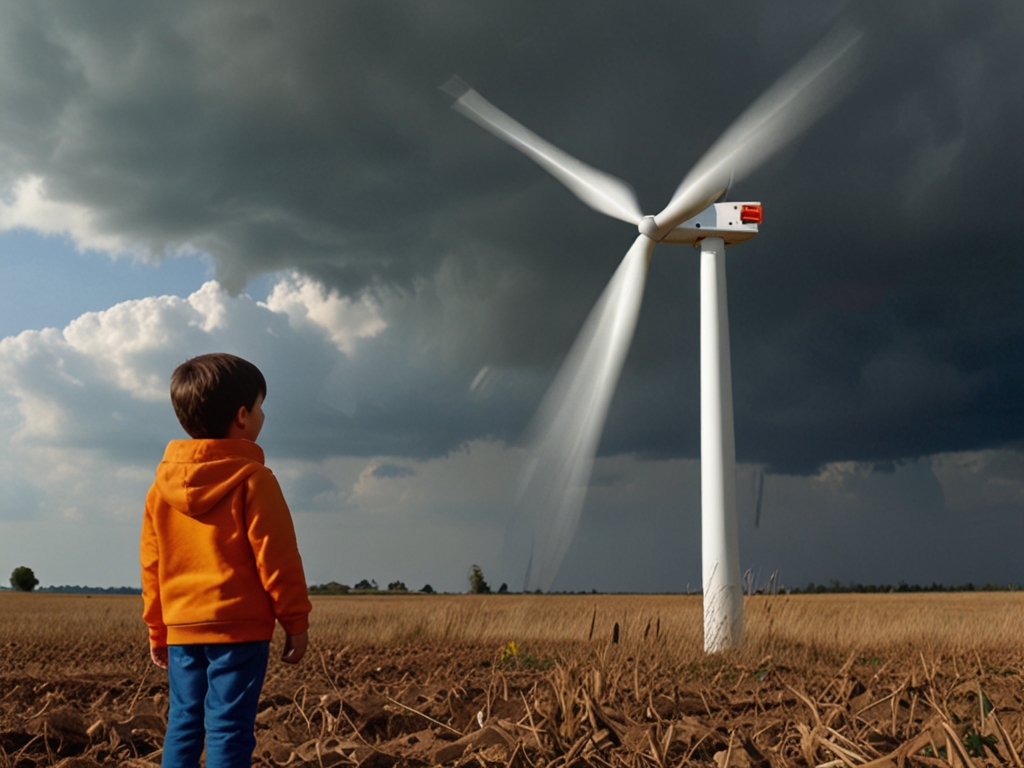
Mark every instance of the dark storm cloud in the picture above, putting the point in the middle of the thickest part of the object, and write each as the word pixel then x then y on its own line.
pixel 391 471
pixel 876 317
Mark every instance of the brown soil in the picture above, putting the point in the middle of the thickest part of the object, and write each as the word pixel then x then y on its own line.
pixel 423 705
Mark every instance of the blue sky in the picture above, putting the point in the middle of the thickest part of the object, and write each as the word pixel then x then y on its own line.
pixel 290 185
pixel 49 282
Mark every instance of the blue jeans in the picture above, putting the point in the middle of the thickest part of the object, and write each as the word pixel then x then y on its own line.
pixel 214 692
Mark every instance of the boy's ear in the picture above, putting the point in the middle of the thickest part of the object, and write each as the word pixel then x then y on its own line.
pixel 238 423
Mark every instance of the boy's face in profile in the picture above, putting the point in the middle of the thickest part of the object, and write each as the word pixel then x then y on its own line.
pixel 248 422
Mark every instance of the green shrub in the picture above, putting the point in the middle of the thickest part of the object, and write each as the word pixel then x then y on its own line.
pixel 23 579
pixel 477 585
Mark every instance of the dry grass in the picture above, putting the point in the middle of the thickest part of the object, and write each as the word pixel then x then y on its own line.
pixel 815 626
pixel 823 680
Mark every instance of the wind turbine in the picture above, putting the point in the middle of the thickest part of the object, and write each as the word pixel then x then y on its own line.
pixel 571 417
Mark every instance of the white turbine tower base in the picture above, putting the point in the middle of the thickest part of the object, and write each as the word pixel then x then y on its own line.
pixel 723 594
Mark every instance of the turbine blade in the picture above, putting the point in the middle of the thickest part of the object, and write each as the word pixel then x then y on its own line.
pixel 565 431
pixel 783 112
pixel 599 190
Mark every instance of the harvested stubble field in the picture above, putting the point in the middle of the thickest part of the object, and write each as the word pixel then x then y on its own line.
pixel 821 680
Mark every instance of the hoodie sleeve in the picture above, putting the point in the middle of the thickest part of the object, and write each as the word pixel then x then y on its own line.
pixel 149 555
pixel 272 537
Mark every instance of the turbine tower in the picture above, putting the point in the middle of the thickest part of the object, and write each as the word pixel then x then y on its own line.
pixel 571 417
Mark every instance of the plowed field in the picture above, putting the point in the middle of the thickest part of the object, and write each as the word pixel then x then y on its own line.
pixel 531 681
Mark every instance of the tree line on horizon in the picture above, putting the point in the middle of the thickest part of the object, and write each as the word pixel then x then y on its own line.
pixel 23 579
pixel 834 587
pixel 477 586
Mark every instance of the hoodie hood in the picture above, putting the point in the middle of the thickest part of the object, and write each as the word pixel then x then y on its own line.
pixel 196 474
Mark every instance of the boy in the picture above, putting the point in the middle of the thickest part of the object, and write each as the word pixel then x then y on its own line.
pixel 219 565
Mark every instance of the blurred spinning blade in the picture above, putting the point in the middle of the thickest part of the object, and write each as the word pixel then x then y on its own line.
pixel 601 191
pixel 563 436
pixel 781 114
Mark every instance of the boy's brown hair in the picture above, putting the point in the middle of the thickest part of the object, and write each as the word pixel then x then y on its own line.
pixel 208 390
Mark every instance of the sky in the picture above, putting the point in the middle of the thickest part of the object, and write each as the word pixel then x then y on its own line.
pixel 288 183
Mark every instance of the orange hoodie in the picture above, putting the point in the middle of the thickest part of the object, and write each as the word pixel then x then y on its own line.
pixel 219 557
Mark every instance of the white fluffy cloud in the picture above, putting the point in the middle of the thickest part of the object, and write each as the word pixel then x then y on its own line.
pixel 56 379
pixel 30 207
pixel 308 304
pixel 82 381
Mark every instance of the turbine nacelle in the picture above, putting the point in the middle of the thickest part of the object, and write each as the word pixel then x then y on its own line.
pixel 733 222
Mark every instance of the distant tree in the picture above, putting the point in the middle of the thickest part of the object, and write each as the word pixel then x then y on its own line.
pixel 427 589
pixel 397 586
pixel 503 589
pixel 364 584
pixel 23 579
pixel 477 585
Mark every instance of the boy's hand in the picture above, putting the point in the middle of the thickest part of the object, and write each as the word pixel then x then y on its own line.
pixel 159 655
pixel 294 648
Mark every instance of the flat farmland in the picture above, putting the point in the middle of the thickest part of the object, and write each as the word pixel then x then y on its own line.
pixel 539 680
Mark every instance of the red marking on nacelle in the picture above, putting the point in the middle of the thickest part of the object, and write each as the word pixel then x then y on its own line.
pixel 751 214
